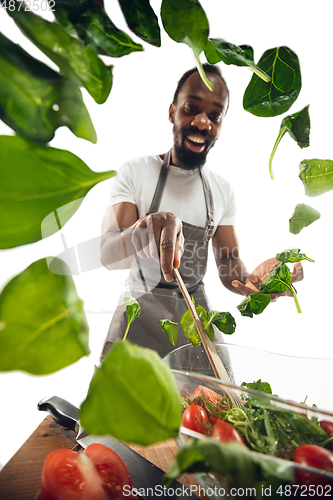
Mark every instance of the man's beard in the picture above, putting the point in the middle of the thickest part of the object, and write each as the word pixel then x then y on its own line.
pixel 187 159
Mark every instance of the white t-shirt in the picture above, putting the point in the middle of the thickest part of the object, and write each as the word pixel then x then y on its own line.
pixel 183 195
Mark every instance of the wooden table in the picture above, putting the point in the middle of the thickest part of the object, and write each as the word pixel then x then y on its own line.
pixel 20 477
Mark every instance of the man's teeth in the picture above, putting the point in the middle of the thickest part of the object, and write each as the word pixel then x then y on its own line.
pixel 198 140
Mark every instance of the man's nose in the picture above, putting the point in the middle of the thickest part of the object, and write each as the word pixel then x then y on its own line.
pixel 202 121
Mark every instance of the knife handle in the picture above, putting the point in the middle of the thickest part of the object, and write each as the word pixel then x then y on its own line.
pixel 63 412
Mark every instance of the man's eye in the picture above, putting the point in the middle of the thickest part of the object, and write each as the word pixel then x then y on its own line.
pixel 189 109
pixel 216 118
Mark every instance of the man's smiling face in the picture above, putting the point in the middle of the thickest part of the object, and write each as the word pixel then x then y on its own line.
pixel 197 116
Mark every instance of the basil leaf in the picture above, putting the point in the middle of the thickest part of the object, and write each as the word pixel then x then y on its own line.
pixel 44 326
pixel 303 215
pixel 89 21
pixel 293 255
pixel 298 126
pixel 190 330
pixel 278 281
pixel 224 321
pixel 185 21
pixel 74 59
pixel 133 311
pixel 217 50
pixel 35 100
pixel 132 383
pixel 275 97
pixel 38 186
pixel 171 329
pixel 258 386
pixel 254 303
pixel 142 20
pixel 317 176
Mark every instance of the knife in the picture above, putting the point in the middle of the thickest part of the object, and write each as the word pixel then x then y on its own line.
pixel 144 474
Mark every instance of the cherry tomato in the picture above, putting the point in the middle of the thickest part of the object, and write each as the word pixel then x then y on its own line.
pixel 212 396
pixel 226 433
pixel 313 456
pixel 327 426
pixel 97 473
pixel 192 417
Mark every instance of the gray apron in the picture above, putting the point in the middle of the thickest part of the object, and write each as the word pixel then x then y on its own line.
pixel 164 300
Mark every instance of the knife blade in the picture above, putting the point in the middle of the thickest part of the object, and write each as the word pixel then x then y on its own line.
pixel 146 476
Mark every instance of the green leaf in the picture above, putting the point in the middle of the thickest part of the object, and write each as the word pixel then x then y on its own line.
pixel 35 100
pixel 298 126
pixel 74 59
pixel 38 187
pixel 258 386
pixel 90 22
pixel 45 328
pixel 217 50
pixel 278 281
pixel 254 303
pixel 133 311
pixel 185 21
pixel 142 20
pixel 293 255
pixel 317 176
pixel 275 97
pixel 303 215
pixel 224 321
pixel 190 330
pixel 133 384
pixel 171 329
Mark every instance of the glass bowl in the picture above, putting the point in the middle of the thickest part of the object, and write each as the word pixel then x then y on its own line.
pixel 293 378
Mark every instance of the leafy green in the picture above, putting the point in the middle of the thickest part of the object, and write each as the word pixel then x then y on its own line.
pixel 217 50
pixel 278 281
pixel 317 176
pixel 38 186
pixel 224 321
pixel 74 59
pixel 142 20
pixel 140 388
pixel 35 100
pixel 258 386
pixel 254 303
pixel 171 329
pixel 275 97
pixel 303 215
pixel 133 311
pixel 185 21
pixel 90 22
pixel 44 327
pixel 298 126
pixel 293 255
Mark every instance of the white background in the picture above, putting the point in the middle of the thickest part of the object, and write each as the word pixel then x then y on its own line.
pixel 134 122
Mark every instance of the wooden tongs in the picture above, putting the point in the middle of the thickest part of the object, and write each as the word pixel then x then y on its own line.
pixel 214 359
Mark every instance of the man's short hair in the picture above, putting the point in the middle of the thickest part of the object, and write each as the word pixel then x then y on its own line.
pixel 208 68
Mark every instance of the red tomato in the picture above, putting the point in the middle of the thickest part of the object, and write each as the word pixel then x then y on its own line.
pixel 226 433
pixel 97 473
pixel 192 417
pixel 209 394
pixel 327 426
pixel 313 456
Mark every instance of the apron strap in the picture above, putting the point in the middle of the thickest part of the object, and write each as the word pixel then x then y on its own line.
pixel 156 201
pixel 209 205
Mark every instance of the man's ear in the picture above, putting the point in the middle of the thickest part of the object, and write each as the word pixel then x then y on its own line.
pixel 171 112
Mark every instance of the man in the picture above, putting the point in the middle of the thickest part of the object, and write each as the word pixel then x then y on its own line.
pixel 164 211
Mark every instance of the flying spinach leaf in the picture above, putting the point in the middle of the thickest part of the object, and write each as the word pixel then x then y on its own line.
pixel 224 321
pixel 317 176
pixel 38 185
pixel 217 50
pixel 74 59
pixel 278 281
pixel 254 303
pixel 303 215
pixel 133 311
pixel 293 255
pixel 35 100
pixel 258 386
pixel 142 20
pixel 88 20
pixel 44 327
pixel 138 385
pixel 275 97
pixel 185 21
pixel 298 126
pixel 190 330
pixel 171 329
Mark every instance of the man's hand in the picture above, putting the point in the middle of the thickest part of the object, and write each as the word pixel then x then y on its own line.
pixel 259 274
pixel 159 236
